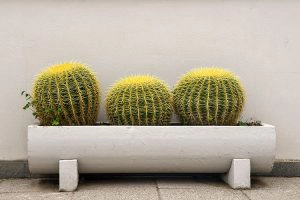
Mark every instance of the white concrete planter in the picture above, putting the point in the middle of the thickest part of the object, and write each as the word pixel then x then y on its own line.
pixel 152 149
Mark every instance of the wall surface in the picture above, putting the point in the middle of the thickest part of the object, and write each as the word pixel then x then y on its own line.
pixel 259 40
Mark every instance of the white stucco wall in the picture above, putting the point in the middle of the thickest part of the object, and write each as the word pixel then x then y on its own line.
pixel 259 40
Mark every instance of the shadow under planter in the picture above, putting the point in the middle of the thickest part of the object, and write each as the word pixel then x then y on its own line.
pixel 233 151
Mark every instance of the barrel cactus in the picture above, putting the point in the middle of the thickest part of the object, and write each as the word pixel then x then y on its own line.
pixel 139 100
pixel 209 96
pixel 68 92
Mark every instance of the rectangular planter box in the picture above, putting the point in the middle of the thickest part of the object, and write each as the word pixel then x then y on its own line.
pixel 150 149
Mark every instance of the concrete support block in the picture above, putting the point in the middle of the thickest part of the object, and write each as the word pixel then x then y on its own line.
pixel 238 176
pixel 68 175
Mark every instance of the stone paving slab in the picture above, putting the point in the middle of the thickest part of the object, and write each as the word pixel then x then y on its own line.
pixel 117 189
pixel 152 188
pixel 28 185
pixel 113 193
pixel 274 189
pixel 36 196
pixel 119 182
pixel 201 194
pixel 190 182
pixel 194 188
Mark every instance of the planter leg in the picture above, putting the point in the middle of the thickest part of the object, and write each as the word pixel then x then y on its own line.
pixel 68 175
pixel 238 176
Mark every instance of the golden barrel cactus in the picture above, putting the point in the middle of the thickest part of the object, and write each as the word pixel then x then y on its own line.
pixel 139 100
pixel 209 96
pixel 68 92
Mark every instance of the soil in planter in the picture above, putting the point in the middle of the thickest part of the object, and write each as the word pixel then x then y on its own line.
pixel 240 123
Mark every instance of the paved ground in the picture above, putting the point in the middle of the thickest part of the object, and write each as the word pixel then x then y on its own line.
pixel 152 188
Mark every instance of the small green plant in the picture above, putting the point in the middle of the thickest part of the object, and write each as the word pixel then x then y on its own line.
pixel 65 94
pixel 250 122
pixel 139 100
pixel 209 96
pixel 30 106
pixel 29 103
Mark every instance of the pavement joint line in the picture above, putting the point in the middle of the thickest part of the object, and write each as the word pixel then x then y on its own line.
pixel 245 194
pixel 179 188
pixel 72 195
pixel 158 190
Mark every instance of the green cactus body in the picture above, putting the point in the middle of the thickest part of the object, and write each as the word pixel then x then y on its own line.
pixel 68 90
pixel 209 96
pixel 139 100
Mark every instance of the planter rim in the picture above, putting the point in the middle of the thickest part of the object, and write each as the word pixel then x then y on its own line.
pixel 213 126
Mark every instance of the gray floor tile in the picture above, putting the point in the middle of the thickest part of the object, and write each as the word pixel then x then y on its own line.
pixel 274 188
pixel 201 193
pixel 190 182
pixel 28 185
pixel 96 184
pixel 35 196
pixel 117 189
pixel 118 193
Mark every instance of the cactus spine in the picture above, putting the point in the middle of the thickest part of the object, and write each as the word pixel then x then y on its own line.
pixel 139 100
pixel 209 96
pixel 68 90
